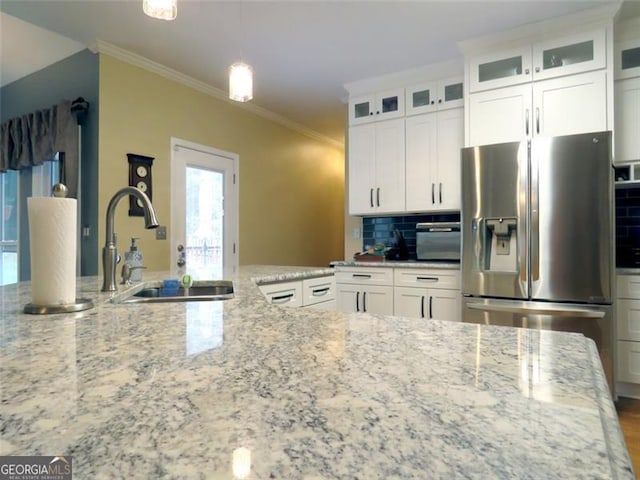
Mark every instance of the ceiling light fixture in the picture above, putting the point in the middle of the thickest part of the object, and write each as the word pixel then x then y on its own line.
pixel 162 9
pixel 240 76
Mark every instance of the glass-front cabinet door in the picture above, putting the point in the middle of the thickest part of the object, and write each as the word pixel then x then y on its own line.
pixel 568 55
pixel 500 69
pixel 628 59
pixel 374 107
pixel 432 96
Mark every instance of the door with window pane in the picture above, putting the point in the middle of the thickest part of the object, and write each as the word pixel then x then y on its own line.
pixel 204 221
pixel 9 227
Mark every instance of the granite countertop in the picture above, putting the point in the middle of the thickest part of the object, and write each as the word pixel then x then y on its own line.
pixel 180 390
pixel 399 264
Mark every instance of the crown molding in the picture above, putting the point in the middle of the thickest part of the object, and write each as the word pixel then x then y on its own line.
pixel 102 47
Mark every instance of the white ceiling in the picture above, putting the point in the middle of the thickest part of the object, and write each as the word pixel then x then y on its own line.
pixel 302 52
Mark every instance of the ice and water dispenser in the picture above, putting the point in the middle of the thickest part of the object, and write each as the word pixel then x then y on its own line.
pixel 497 244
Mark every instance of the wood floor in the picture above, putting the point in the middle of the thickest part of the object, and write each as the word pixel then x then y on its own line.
pixel 629 416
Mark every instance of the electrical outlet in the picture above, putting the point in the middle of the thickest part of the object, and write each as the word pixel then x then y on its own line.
pixel 161 233
pixel 356 233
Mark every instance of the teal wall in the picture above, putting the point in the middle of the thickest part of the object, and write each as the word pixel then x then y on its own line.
pixel 75 76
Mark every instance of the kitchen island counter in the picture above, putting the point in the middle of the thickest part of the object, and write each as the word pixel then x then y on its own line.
pixel 244 389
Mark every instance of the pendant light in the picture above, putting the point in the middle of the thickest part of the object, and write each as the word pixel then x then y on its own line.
pixel 240 76
pixel 162 9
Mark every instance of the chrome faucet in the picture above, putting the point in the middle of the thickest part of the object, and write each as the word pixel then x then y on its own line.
pixel 110 252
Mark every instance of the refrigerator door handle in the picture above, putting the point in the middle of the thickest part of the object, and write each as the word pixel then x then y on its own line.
pixel 526 122
pixel 535 215
pixel 523 308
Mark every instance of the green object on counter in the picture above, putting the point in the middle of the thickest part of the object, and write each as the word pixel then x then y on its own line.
pixel 186 281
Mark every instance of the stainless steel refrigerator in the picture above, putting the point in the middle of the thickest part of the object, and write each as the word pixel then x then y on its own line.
pixel 537 237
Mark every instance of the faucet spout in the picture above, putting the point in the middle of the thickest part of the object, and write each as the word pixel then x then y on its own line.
pixel 110 252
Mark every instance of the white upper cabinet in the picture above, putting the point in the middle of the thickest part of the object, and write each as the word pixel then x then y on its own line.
pixel 501 115
pixel 433 96
pixel 627 62
pixel 500 69
pixel 627 126
pixel 571 54
pixel 376 168
pixel 374 107
pixel 567 55
pixel 433 143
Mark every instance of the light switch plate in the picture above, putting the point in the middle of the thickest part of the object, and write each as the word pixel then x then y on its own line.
pixel 161 233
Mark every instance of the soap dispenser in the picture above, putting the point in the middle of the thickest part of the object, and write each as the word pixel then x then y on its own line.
pixel 133 258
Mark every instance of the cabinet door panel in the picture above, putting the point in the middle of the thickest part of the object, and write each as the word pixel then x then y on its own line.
pixel 450 93
pixel 445 304
pixel 627 127
pixel 501 69
pixel 361 109
pixel 628 319
pixel 346 296
pixel 568 105
pixel 422 98
pixel 629 362
pixel 499 116
pixel 362 149
pixel 377 300
pixel 421 156
pixel 410 302
pixel 389 166
pixel 450 141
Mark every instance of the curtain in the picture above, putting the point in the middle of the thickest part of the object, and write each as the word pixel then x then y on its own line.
pixel 32 139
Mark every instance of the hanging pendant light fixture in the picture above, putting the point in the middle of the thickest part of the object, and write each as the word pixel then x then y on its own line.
pixel 162 9
pixel 240 76
pixel 240 82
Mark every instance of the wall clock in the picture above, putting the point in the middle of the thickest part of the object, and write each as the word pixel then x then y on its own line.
pixel 139 177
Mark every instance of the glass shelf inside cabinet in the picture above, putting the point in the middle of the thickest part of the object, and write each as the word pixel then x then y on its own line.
pixel 421 98
pixel 362 109
pixel 390 104
pixel 567 55
pixel 630 58
pixel 453 92
pixel 506 67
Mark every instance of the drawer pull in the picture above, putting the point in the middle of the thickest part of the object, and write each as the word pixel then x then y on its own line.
pixel 320 292
pixel 427 279
pixel 282 298
pixel 364 301
pixel 357 301
pixel 430 307
pixel 361 275
pixel 422 306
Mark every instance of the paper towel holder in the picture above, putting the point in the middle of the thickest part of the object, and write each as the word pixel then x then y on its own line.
pixel 59 190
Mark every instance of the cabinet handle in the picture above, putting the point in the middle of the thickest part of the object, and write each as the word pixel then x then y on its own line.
pixel 433 102
pixel 422 306
pixel 440 192
pixel 364 301
pixel 357 301
pixel 537 69
pixel 537 120
pixel 433 195
pixel 370 113
pixel 430 307
pixel 378 112
pixel 526 71
pixel 371 197
pixel 361 275
pixel 378 196
pixel 526 121
pixel 282 298
pixel 427 279
pixel 439 100
pixel 320 292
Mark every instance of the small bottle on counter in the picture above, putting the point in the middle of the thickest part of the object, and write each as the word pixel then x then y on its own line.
pixel 133 258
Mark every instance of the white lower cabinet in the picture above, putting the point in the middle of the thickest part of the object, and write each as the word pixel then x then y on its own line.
pixel 406 292
pixel 431 294
pixel 311 292
pixel 628 330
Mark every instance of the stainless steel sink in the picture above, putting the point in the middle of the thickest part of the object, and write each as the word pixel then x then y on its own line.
pixel 202 290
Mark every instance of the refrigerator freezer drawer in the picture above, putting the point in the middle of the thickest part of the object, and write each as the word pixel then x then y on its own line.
pixel 595 322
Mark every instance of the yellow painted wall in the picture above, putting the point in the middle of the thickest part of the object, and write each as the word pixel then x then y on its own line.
pixel 291 185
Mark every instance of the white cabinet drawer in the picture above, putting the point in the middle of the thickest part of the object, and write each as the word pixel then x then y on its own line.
pixel 412 277
pixel 628 362
pixel 318 290
pixel 628 315
pixel 286 293
pixel 330 305
pixel 364 275
pixel 628 286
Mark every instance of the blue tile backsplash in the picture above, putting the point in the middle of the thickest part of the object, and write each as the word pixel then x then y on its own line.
pixel 628 227
pixel 380 229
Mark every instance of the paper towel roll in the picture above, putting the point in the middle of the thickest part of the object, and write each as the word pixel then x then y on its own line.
pixel 52 240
